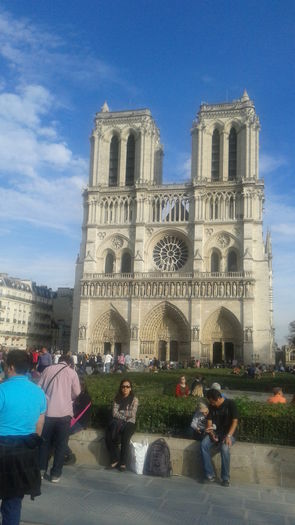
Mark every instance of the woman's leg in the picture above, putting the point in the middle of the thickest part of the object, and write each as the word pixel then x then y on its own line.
pixel 126 434
pixel 111 446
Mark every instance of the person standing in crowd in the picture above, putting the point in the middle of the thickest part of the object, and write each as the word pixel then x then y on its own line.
pixel 22 413
pixel 107 362
pixel 182 389
pixel 277 396
pixel 44 360
pixel 223 414
pixel 122 425
pixel 61 385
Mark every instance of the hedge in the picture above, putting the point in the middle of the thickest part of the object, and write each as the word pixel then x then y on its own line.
pixel 160 412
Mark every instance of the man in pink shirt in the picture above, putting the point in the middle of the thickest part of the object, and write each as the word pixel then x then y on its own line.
pixel 61 386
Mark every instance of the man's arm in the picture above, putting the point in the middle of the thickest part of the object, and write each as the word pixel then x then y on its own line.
pixel 76 388
pixel 232 429
pixel 40 424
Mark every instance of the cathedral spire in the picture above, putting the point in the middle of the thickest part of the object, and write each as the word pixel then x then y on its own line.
pixel 105 108
pixel 268 244
pixel 245 96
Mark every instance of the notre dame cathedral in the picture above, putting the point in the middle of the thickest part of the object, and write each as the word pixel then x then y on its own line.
pixel 175 270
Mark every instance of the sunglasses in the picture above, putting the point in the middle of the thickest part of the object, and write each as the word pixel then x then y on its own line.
pixel 125 386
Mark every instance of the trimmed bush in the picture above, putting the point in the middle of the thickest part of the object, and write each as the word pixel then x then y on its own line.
pixel 160 412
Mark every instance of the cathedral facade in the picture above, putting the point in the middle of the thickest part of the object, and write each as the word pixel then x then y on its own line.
pixel 175 270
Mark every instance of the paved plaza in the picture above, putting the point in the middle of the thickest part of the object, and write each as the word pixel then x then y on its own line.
pixel 87 496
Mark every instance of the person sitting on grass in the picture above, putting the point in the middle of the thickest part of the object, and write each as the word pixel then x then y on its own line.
pixel 182 389
pixel 122 425
pixel 277 396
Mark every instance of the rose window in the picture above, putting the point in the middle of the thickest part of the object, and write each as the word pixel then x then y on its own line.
pixel 170 253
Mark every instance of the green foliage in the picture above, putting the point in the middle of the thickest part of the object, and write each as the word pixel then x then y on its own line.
pixel 160 412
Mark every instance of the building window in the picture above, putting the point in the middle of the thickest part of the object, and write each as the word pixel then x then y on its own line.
pixel 109 263
pixel 232 155
pixel 114 161
pixel 232 262
pixel 215 159
pixel 215 262
pixel 170 253
pixel 126 263
pixel 130 161
pixel 292 355
pixel 231 208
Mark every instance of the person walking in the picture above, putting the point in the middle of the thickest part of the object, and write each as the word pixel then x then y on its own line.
pixel 223 414
pixel 61 385
pixel 44 360
pixel 22 413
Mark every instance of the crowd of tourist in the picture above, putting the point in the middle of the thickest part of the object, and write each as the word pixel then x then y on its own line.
pixel 44 399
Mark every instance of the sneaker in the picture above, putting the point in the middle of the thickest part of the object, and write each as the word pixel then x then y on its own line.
pixel 225 483
pixel 207 481
pixel 54 479
pixel 43 474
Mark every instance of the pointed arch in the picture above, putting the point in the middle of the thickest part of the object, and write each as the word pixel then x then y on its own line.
pixel 232 154
pixel 224 324
pixel 111 328
pixel 215 155
pixel 114 161
pixel 130 160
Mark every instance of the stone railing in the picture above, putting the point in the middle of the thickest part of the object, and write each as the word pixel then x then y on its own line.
pixel 168 275
pixel 174 287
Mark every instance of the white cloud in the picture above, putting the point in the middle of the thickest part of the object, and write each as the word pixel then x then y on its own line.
pixel 269 163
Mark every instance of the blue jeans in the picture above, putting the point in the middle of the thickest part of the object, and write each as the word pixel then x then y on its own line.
pixel 10 510
pixel 206 446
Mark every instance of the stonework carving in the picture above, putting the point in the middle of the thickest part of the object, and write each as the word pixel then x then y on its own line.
pixel 195 333
pixel 117 242
pixel 209 231
pixel 101 235
pixel 223 240
pixel 82 331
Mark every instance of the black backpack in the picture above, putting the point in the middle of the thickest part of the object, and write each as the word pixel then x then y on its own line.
pixel 157 462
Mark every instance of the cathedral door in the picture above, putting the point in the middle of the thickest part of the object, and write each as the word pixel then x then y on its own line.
pixel 118 349
pixel 162 350
pixel 217 353
pixel 173 351
pixel 106 348
pixel 228 352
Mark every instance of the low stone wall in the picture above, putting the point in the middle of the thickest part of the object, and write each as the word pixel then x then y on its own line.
pixel 269 465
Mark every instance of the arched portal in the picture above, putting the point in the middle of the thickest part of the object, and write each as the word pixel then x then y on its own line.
pixel 222 337
pixel 165 334
pixel 110 334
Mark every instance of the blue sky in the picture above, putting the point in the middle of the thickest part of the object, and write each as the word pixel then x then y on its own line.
pixel 59 61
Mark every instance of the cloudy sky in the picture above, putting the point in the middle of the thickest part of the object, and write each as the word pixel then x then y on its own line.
pixel 59 61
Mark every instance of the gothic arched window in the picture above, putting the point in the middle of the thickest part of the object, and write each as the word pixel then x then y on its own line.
pixel 231 208
pixel 126 263
pixel 232 262
pixel 215 158
pixel 109 263
pixel 215 262
pixel 130 161
pixel 232 155
pixel 114 161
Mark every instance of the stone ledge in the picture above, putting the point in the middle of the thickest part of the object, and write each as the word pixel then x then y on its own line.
pixel 269 465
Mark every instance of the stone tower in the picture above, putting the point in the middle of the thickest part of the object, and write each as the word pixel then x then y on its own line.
pixel 176 270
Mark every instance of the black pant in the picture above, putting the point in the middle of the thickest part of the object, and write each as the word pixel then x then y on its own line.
pixel 122 438
pixel 56 435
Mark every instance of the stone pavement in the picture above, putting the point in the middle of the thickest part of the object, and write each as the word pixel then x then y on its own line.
pixel 94 496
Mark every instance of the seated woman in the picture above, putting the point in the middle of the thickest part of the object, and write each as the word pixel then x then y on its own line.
pixel 182 390
pixel 122 425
